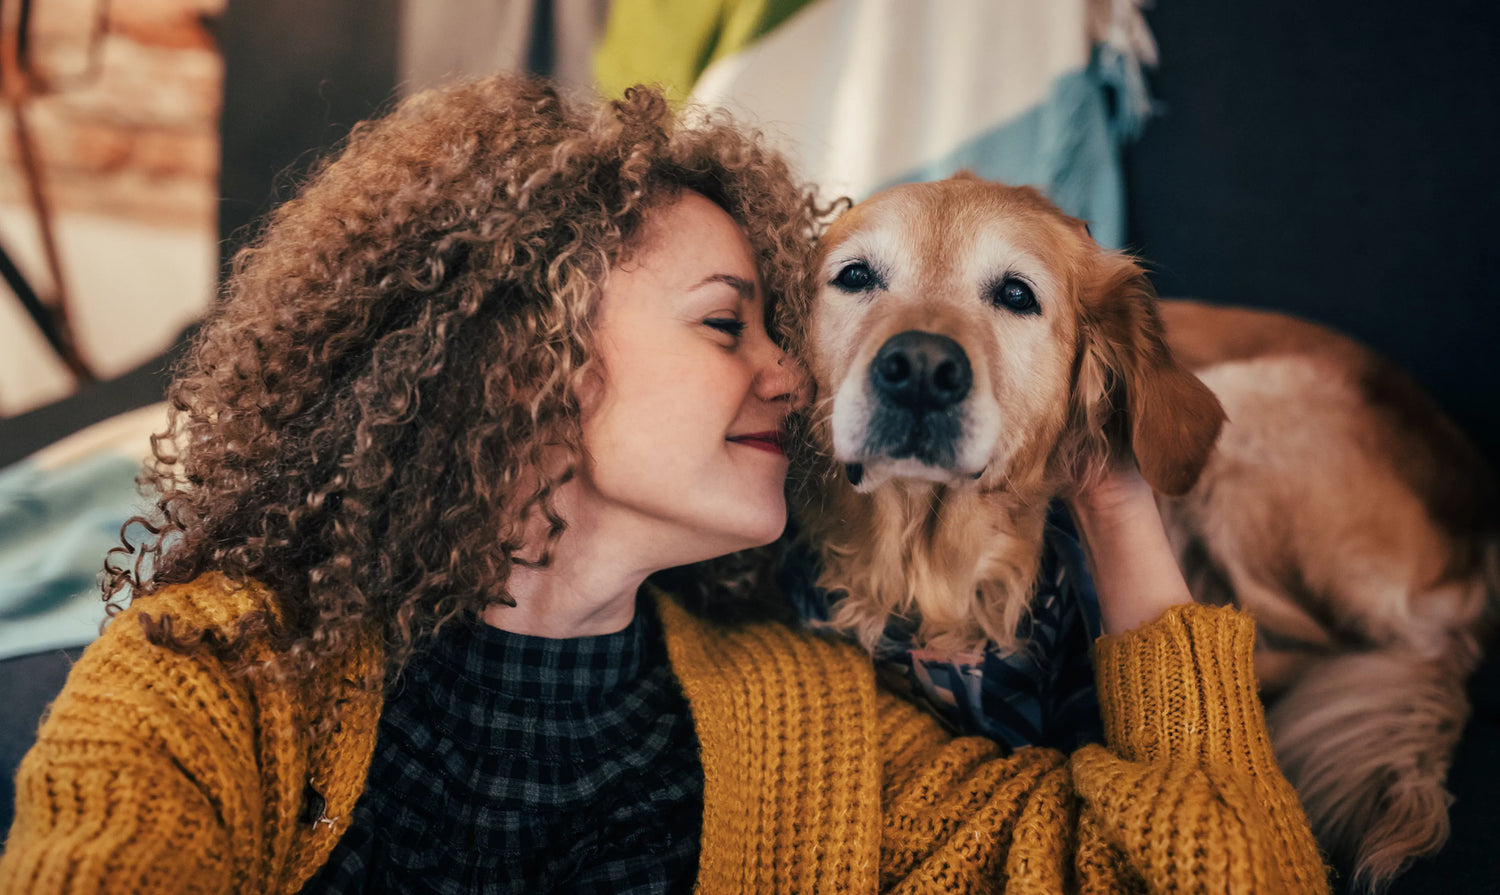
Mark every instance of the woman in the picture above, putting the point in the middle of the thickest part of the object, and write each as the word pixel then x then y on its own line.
pixel 501 361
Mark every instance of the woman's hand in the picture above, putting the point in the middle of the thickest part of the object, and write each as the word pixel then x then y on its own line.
pixel 1135 572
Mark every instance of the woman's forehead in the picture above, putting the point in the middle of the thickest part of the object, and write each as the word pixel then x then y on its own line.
pixel 696 240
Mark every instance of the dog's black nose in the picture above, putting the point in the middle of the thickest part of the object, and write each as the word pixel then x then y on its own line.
pixel 921 371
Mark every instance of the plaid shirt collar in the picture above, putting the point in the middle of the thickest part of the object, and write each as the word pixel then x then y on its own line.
pixel 505 664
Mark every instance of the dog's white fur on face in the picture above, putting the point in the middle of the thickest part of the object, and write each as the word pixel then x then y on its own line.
pixel 1019 361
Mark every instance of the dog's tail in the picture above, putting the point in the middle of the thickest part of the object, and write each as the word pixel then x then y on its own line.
pixel 1366 739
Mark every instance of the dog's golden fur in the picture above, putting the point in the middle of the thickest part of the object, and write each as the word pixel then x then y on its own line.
pixel 1341 509
pixel 1361 516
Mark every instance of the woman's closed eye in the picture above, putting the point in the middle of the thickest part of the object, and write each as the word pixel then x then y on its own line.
pixel 733 326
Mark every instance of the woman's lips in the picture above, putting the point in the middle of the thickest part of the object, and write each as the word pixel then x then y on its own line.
pixel 771 442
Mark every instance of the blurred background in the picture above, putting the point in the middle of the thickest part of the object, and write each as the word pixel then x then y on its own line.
pixel 109 158
pixel 1332 159
pixel 1336 160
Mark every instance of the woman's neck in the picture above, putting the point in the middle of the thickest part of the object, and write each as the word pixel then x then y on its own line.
pixel 567 599
pixel 588 588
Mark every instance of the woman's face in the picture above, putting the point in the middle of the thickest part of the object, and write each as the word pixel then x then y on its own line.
pixel 684 434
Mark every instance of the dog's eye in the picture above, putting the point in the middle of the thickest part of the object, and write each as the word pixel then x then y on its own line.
pixel 856 277
pixel 1015 294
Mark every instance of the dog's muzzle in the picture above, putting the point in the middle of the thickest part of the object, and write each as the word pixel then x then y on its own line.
pixel 919 380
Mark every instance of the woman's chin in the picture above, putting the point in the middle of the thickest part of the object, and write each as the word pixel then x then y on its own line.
pixel 769 528
pixel 754 533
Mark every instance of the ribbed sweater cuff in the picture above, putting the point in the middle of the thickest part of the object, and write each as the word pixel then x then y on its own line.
pixel 1183 687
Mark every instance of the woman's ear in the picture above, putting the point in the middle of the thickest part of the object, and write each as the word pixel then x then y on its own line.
pixel 1130 385
pixel 591 387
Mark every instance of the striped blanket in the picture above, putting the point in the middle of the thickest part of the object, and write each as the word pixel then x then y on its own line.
pixel 867 93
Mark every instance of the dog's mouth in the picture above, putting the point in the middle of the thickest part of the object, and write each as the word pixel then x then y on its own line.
pixel 905 444
pixel 928 437
pixel 868 469
pixel 855 472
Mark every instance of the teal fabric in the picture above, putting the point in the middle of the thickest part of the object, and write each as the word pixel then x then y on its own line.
pixel 1068 146
pixel 55 527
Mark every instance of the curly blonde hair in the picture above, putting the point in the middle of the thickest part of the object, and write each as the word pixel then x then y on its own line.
pixel 361 423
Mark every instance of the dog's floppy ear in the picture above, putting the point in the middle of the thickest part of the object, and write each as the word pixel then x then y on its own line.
pixel 1131 393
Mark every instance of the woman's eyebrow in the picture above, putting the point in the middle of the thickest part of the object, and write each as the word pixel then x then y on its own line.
pixel 746 288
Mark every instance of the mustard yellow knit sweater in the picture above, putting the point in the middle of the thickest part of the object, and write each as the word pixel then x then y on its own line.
pixel 157 772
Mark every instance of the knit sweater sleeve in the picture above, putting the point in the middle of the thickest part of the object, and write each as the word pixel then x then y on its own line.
pixel 1189 787
pixel 1187 795
pixel 138 776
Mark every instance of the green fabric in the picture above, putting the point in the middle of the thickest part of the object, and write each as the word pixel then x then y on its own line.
pixel 670 43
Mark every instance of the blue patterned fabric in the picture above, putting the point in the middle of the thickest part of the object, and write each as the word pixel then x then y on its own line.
pixel 56 524
pixel 1041 695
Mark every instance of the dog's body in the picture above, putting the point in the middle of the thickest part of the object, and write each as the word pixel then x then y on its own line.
pixel 1340 505
pixel 977 355
pixel 1356 523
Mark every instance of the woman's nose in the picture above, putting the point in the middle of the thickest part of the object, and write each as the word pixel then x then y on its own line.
pixel 782 378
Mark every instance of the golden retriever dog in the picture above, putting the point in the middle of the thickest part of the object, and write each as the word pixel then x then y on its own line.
pixel 976 355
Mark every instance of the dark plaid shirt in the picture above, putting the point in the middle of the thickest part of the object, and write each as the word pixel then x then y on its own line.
pixel 507 763
pixel 1040 695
